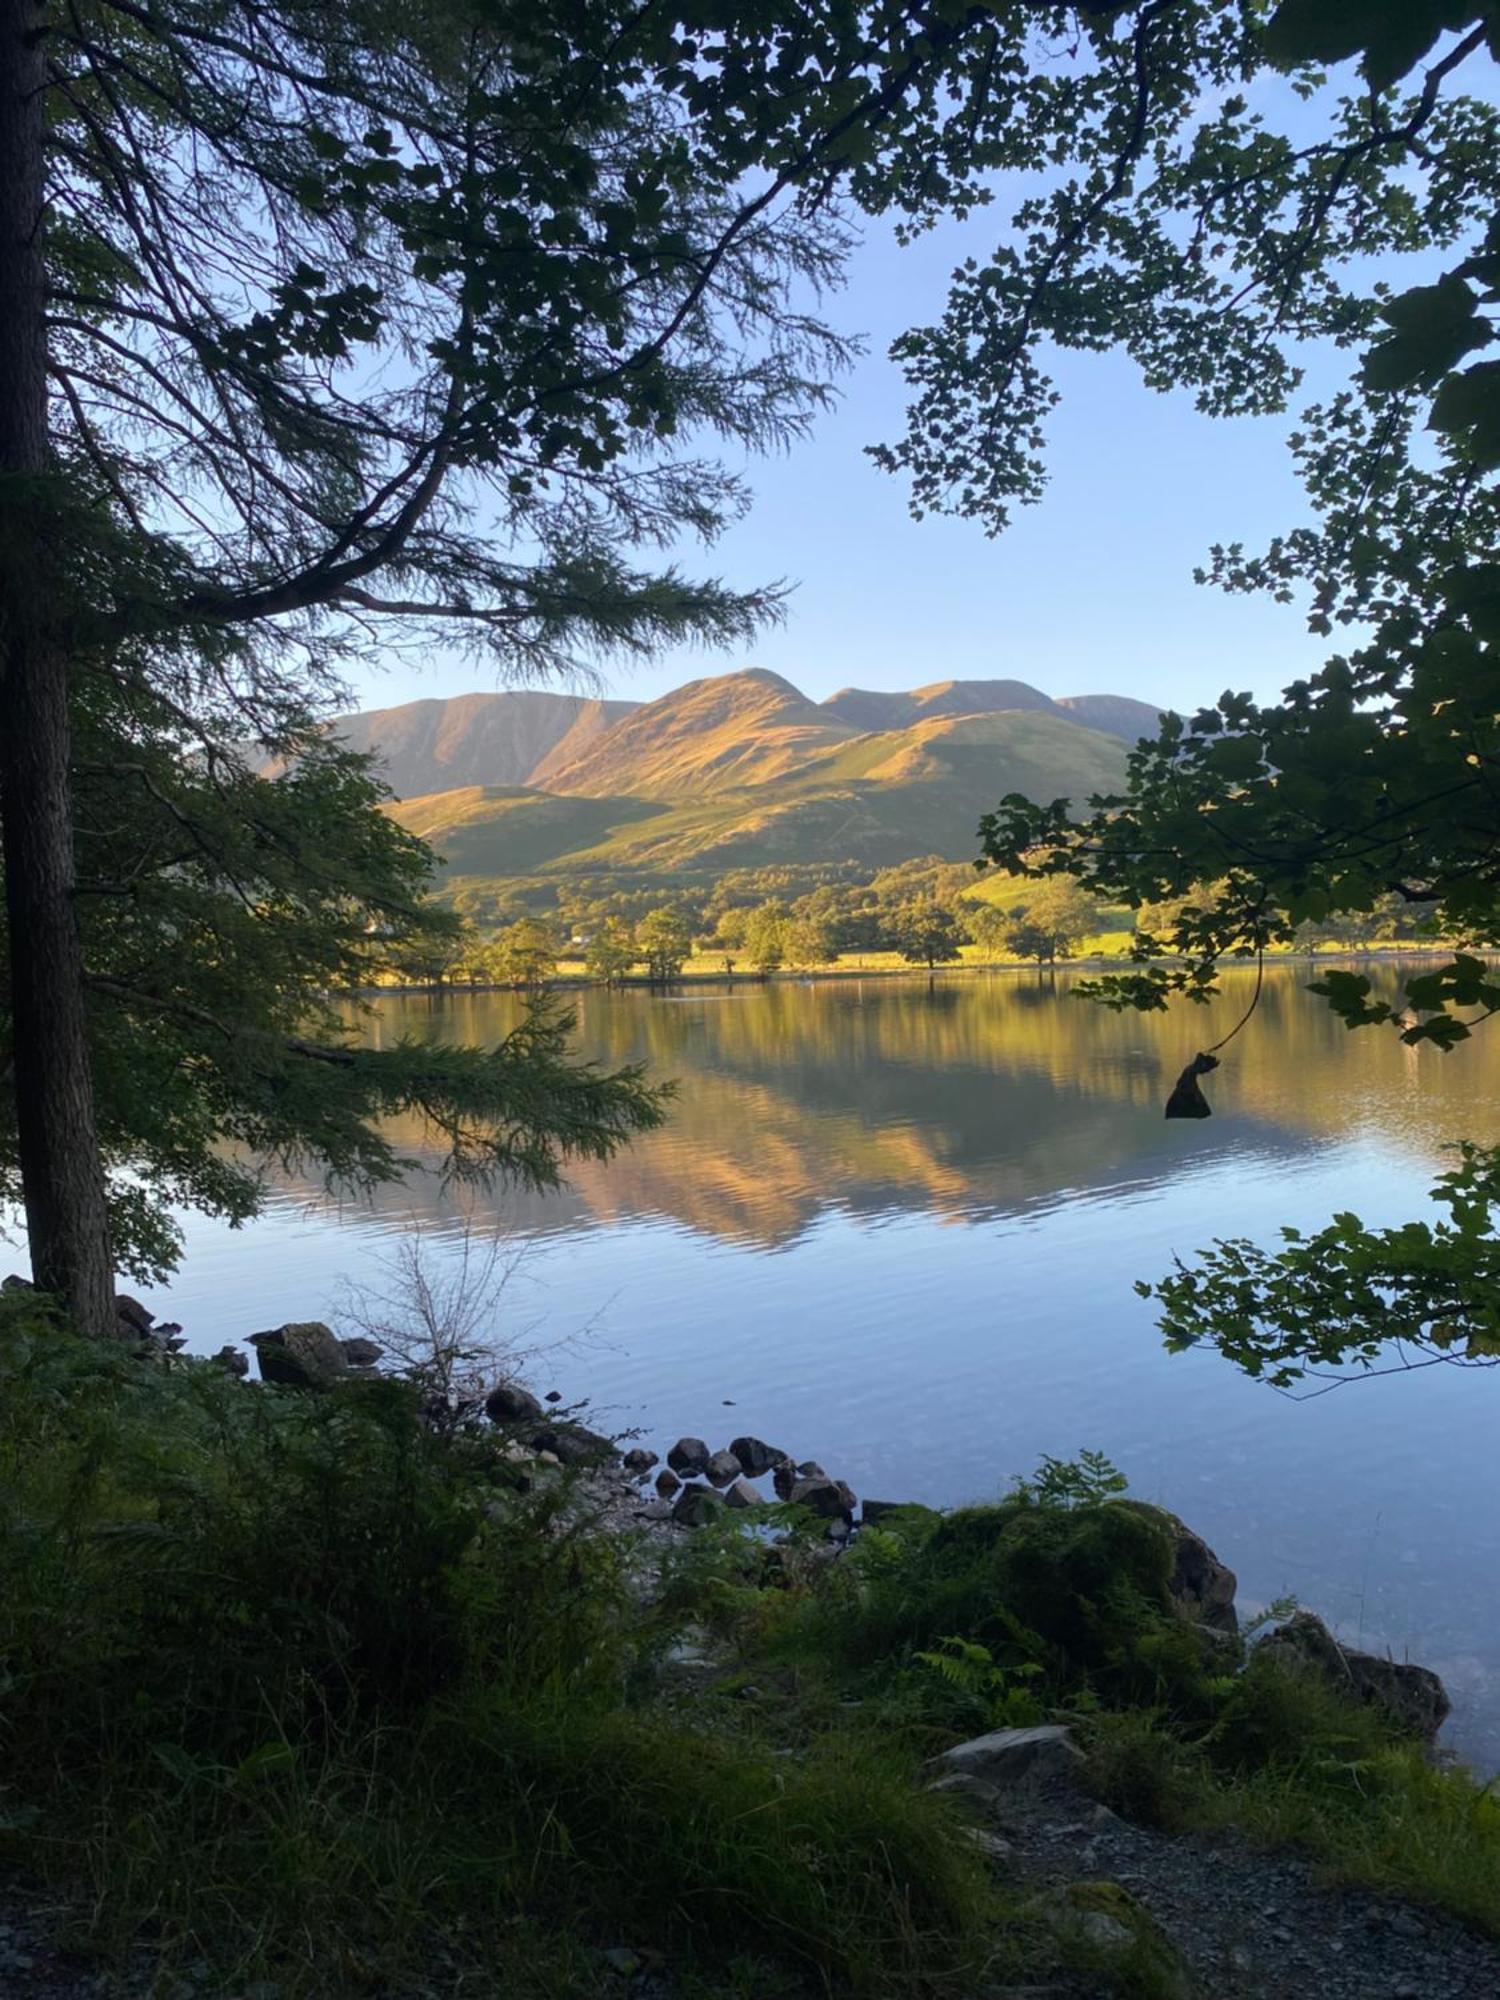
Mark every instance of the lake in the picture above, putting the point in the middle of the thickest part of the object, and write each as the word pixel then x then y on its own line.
pixel 893 1225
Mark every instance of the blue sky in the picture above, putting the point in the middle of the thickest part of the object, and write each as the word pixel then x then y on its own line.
pixel 1091 592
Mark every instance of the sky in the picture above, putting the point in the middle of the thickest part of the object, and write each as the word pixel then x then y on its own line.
pixel 1091 592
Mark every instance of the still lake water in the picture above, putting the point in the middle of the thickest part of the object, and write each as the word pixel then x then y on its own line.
pixel 895 1227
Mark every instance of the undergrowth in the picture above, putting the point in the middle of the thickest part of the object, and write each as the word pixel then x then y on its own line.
pixel 295 1687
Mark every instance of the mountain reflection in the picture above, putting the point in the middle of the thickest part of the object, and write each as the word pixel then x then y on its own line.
pixel 965 1099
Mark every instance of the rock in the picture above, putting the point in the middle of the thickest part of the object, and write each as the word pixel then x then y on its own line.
pixel 553 1396
pixel 829 1499
pixel 360 1352
pixel 688 1456
pixel 16 1283
pixel 667 1483
pixel 810 1469
pixel 872 1511
pixel 755 1459
pixel 509 1403
pixel 965 1785
pixel 619 1958
pixel 1044 1755
pixel 134 1313
pixel 1202 1585
pixel 740 1494
pixel 695 1506
pixel 638 1460
pixel 783 1478
pixel 1109 1921
pixel 723 1467
pixel 303 1354
pixel 571 1444
pixel 1413 1697
pixel 232 1359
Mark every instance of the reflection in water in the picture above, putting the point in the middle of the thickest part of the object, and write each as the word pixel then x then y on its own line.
pixel 895 1225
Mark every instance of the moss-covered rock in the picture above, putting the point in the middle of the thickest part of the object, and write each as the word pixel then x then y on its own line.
pixel 1102 1927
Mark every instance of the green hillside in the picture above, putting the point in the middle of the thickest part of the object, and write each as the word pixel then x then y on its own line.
pixel 877 799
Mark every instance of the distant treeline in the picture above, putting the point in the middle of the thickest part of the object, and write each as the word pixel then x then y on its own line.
pixel 799 917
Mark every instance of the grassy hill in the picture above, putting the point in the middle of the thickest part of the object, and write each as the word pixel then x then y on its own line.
pixel 815 796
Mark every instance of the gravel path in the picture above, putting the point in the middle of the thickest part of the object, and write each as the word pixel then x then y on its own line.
pixel 1253 1925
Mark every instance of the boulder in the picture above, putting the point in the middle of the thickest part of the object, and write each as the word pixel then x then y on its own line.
pixel 689 1456
pixel 1045 1755
pixel 783 1478
pixel 360 1352
pixel 829 1499
pixel 133 1313
pixel 232 1359
pixel 1413 1697
pixel 722 1467
pixel 1202 1585
pixel 303 1354
pixel 667 1482
pixel 739 1493
pixel 1109 1922
pixel 755 1459
pixel 810 1469
pixel 638 1460
pixel 695 1506
pixel 509 1403
pixel 571 1444
pixel 872 1511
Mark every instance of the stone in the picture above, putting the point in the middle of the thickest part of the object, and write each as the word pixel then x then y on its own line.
pixel 810 1469
pixel 232 1359
pixel 553 1396
pixel 16 1283
pixel 619 1958
pixel 756 1459
pixel 571 1444
pixel 667 1482
pixel 1044 1755
pixel 1203 1586
pixel 783 1478
pixel 360 1352
pixel 965 1785
pixel 829 1499
pixel 1412 1697
pixel 688 1456
pixel 509 1403
pixel 303 1354
pixel 696 1506
pixel 1105 1917
pixel 739 1493
pixel 872 1511
pixel 134 1313
pixel 638 1460
pixel 722 1467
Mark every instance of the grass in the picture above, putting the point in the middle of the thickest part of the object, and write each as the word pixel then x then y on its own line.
pixel 294 1689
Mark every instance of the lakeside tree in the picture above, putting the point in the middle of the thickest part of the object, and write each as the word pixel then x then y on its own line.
pixel 810 941
pixel 766 936
pixel 612 952
pixel 1056 916
pixel 665 940
pixel 929 934
pixel 316 325
pixel 523 954
pixel 1209 261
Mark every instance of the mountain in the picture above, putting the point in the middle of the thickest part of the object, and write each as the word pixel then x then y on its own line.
pixel 1114 714
pixel 735 770
pixel 476 739
pixel 749 728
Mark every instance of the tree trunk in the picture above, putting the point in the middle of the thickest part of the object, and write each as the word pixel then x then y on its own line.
pixel 62 1174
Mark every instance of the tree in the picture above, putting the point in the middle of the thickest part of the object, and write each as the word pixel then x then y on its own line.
pixel 1208 260
pixel 228 926
pixel 523 954
pixel 728 938
pixel 766 936
pixel 612 952
pixel 928 934
pixel 665 940
pixel 809 941
pixel 312 319
pixel 1056 915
